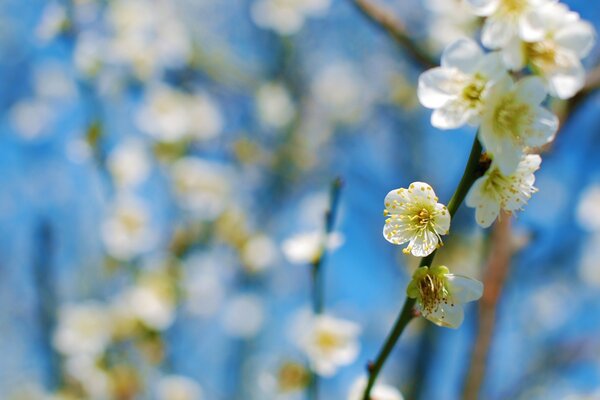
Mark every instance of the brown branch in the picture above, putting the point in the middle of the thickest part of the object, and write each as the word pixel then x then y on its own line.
pixel 385 20
pixel 496 272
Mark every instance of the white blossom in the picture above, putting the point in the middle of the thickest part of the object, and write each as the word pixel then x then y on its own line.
pixel 177 387
pixel 449 21
pixel 244 316
pixel 588 209
pixel 440 295
pixel 329 343
pixel 379 391
pixel 129 163
pixel 457 89
pixel 494 191
pixel 415 216
pixel 83 329
pixel 286 17
pixel 304 248
pixel 554 47
pixel 275 106
pixel 514 120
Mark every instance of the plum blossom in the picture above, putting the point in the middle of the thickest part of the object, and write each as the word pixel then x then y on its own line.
pixel 177 387
pixel 286 17
pixel 83 329
pixel 440 295
pixel 457 89
pixel 494 191
pixel 415 216
pixel 514 120
pixel 329 343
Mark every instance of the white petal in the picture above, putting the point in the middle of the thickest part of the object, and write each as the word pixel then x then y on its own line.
pixel 513 54
pixel 397 232
pixel 447 315
pixel 531 90
pixel 578 37
pixel 452 115
pixel 437 86
pixel 483 7
pixel 474 196
pixel 442 220
pixel 532 26
pixel 492 67
pixel 504 149
pixel 464 289
pixel 422 192
pixel 497 32
pixel 422 246
pixel 543 129
pixel 566 82
pixel 463 54
pixel 487 211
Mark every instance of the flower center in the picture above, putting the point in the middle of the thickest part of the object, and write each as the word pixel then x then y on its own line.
pixel 328 341
pixel 542 54
pixel 432 292
pixel 472 93
pixel 423 218
pixel 292 376
pixel 510 116
pixel 513 7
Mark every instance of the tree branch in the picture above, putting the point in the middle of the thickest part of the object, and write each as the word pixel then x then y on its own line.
pixel 385 20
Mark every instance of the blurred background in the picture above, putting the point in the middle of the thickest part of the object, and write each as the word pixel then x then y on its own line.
pixel 166 167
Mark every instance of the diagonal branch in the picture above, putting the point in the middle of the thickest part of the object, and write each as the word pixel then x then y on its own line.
pixel 385 20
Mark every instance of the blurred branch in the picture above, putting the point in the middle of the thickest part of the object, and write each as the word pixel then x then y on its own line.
pixel 384 19
pixel 495 277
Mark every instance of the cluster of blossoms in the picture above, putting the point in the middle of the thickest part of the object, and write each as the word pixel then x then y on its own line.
pixel 488 91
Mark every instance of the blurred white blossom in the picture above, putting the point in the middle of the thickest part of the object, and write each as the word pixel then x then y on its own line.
pixel 83 329
pixel 449 21
pixel 177 387
pixel 259 253
pixel 304 248
pixel 588 208
pixel 275 106
pixel 286 17
pixel 379 392
pixel 129 163
pixel 244 316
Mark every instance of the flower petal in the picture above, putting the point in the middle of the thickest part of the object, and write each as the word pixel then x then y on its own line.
pixel 578 37
pixel 464 289
pixel 442 219
pixel 447 315
pixel 423 245
pixel 543 129
pixel 463 54
pixel 483 7
pixel 532 26
pixel 451 116
pixel 396 231
pixel 497 32
pixel 564 83
pixel 531 90
pixel 487 211
pixel 437 86
pixel 513 54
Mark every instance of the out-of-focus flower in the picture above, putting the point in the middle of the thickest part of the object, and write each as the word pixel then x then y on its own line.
pixel 588 209
pixel 244 316
pixel 457 89
pixel 329 343
pixel 450 20
pixel 127 231
pixel 176 387
pixel 202 187
pixel 259 253
pixel 53 21
pixel 305 248
pixel 440 295
pixel 170 115
pixel 494 191
pixel 151 300
pixel 203 286
pixel 286 17
pixel 555 42
pixel 415 216
pixel 93 380
pixel 32 118
pixel 53 81
pixel 507 20
pixel 513 120
pixel 379 392
pixel 275 106
pixel 129 163
pixel 83 329
pixel 341 92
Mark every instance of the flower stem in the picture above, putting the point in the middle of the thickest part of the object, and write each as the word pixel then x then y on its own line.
pixel 318 288
pixel 471 173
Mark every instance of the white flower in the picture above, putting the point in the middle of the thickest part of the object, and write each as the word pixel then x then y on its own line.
pixel 83 329
pixel 494 191
pixel 275 106
pixel 258 253
pixel 127 231
pixel 507 20
pixel 440 295
pixel 286 16
pixel 129 163
pixel 457 89
pixel 202 187
pixel 415 216
pixel 171 115
pixel 305 248
pixel 588 209
pixel 554 47
pixel 329 343
pixel 379 392
pixel 450 20
pixel 514 120
pixel 176 387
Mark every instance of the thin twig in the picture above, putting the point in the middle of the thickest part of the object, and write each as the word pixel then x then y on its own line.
pixel 385 20
pixel 496 273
